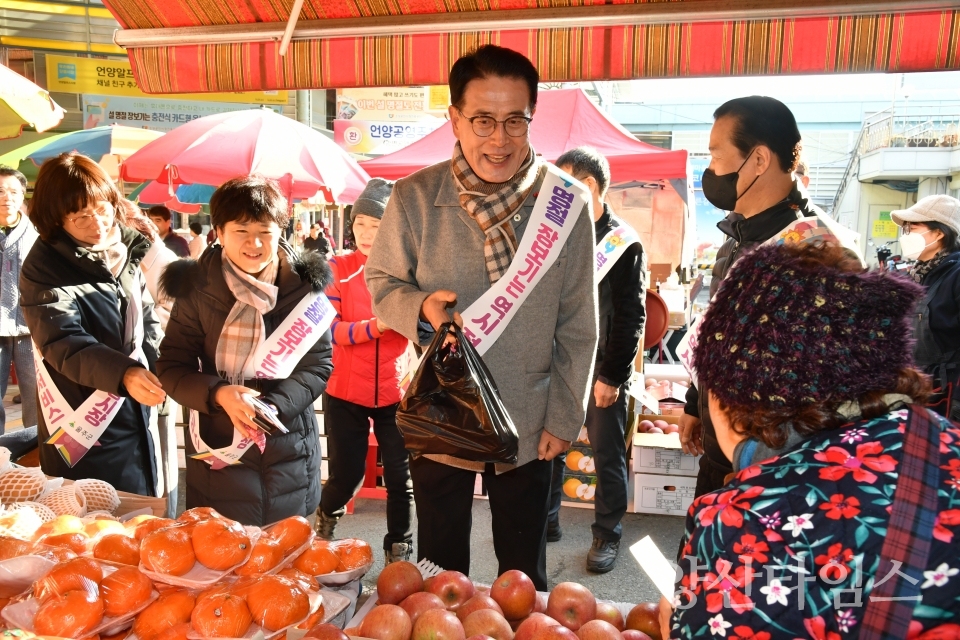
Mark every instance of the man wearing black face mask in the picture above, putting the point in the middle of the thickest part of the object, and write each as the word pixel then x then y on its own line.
pixel 754 148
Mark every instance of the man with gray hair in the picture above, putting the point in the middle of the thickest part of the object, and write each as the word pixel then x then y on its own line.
pixel 621 292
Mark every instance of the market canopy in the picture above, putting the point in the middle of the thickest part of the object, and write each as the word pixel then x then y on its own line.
pixel 565 119
pixel 204 45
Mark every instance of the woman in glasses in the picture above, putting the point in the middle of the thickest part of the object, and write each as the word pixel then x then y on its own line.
pixel 93 324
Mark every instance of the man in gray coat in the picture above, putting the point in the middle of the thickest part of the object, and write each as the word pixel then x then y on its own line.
pixel 17 236
pixel 449 232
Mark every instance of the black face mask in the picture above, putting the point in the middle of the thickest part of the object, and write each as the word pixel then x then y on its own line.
pixel 721 191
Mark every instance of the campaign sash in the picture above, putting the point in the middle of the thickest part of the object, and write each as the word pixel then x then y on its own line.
pixel 274 359
pixel 554 215
pixel 75 432
pixel 612 246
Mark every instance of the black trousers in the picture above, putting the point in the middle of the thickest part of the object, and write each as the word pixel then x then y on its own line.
pixel 606 429
pixel 347 426
pixel 518 507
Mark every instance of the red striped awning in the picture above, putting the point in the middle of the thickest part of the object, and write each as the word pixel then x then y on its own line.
pixel 223 45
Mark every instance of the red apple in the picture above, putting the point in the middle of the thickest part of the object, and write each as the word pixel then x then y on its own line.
pixel 515 594
pixel 352 632
pixel 608 612
pixel 479 637
pixel 598 630
pixel 477 602
pixel 386 622
pixel 572 605
pixel 453 588
pixel 541 606
pixel 555 632
pixel 437 624
pixel 397 581
pixel 487 622
pixel 417 603
pixel 326 631
pixel 427 582
pixel 633 634
pixel 534 622
pixel 645 617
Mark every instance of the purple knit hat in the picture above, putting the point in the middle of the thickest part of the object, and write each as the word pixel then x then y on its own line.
pixel 785 331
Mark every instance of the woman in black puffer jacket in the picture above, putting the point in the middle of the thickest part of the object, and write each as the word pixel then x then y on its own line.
pixel 229 301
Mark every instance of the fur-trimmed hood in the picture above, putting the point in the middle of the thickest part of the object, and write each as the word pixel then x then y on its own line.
pixel 182 277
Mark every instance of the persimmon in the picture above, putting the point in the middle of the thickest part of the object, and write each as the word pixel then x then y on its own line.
pixel 308 582
pixel 266 555
pixel 221 616
pixel 171 609
pixel 76 542
pixel 124 591
pixel 98 527
pixel 176 632
pixel 277 602
pixel 292 533
pixel 119 548
pixel 198 514
pixel 79 574
pixel 314 619
pixel 147 527
pixel 320 559
pixel 73 614
pixel 168 551
pixel 59 554
pixel 220 544
pixel 353 554
pixel 13 548
pixel 60 524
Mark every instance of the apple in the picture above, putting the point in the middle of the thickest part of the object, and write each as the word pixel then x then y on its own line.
pixel 645 617
pixel 672 428
pixel 644 426
pixel 556 632
pixel 386 622
pixel 598 630
pixel 541 606
pixel 417 603
pixel 453 588
pixel 487 622
pixel 397 581
pixel 352 632
pixel 633 634
pixel 437 624
pixel 572 605
pixel 479 637
pixel 515 593
pixel 654 430
pixel 661 424
pixel 534 622
pixel 427 582
pixel 477 602
pixel 326 631
pixel 609 613
pixel 652 382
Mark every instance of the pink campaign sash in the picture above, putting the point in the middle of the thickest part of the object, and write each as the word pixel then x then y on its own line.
pixel 274 359
pixel 554 215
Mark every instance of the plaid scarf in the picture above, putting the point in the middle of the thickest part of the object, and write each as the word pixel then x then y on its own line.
pixel 243 330
pixel 922 267
pixel 492 211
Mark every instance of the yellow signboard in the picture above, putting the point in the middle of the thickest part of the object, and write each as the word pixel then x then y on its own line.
pixel 884 227
pixel 68 74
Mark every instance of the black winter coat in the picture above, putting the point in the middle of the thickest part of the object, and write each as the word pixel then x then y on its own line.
pixel 742 235
pixel 622 298
pixel 75 309
pixel 285 479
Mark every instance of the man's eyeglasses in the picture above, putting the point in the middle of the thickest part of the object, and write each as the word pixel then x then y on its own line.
pixel 105 213
pixel 484 126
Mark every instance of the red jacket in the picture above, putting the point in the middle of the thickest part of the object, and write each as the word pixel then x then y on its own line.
pixel 365 368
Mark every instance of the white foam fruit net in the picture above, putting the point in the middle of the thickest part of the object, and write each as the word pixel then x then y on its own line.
pixel 44 512
pixel 4 459
pixel 22 524
pixel 100 495
pixel 66 501
pixel 22 485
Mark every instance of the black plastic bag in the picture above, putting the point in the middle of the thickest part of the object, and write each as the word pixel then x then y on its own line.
pixel 453 407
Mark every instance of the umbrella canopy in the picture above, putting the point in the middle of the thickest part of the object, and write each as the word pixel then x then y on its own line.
pixel 565 119
pixel 18 155
pixel 187 198
pixel 22 103
pixel 217 148
pixel 109 146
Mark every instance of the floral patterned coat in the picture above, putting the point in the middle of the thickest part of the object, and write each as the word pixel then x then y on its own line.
pixel 818 512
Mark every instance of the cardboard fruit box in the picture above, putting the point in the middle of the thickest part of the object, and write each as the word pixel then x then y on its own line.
pixel 663 495
pixel 660 453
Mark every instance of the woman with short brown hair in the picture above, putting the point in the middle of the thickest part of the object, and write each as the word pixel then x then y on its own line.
pixel 93 324
pixel 844 477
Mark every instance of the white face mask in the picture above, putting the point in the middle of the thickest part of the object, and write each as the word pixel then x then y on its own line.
pixel 911 246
